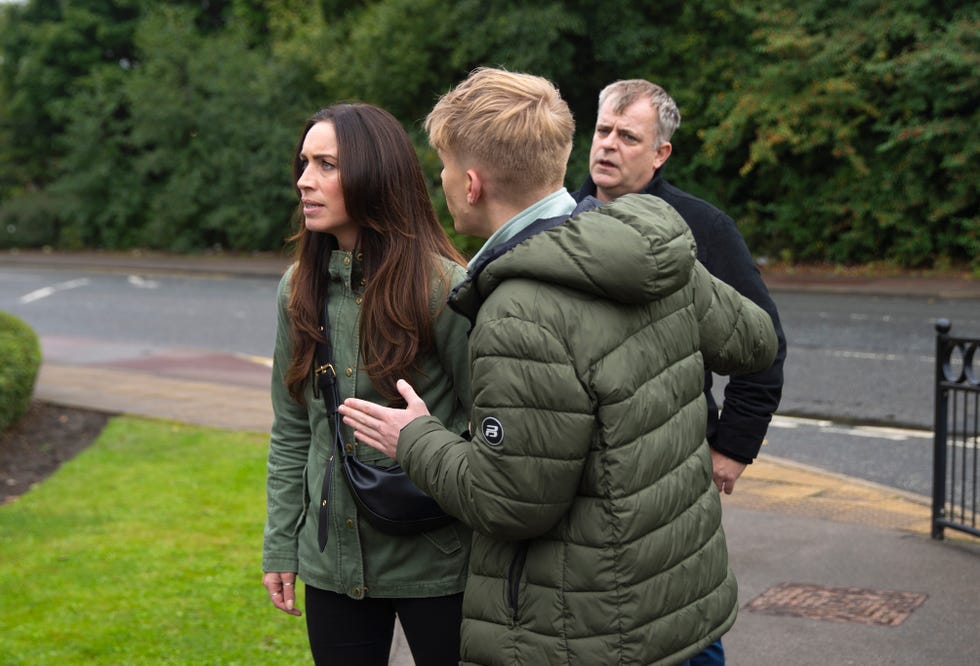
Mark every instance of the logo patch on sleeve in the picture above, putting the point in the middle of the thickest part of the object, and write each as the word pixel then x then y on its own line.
pixel 493 431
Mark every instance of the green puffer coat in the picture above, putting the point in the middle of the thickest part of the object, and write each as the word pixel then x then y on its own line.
pixel 588 481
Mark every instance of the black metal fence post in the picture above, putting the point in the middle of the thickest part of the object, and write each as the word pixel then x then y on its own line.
pixel 940 428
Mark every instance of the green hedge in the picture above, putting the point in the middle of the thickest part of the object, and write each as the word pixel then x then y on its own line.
pixel 20 352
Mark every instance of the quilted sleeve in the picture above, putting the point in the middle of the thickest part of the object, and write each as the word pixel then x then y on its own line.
pixel 532 423
pixel 737 336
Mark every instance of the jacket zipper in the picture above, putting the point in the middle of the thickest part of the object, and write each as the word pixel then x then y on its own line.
pixel 514 576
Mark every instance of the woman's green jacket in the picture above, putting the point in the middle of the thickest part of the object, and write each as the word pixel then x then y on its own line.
pixel 358 560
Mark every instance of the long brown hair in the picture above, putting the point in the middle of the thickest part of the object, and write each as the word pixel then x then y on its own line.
pixel 399 236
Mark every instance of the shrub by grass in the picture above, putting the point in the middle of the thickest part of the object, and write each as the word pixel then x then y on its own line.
pixel 20 360
pixel 144 549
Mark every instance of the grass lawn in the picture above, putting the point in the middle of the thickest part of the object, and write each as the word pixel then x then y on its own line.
pixel 144 549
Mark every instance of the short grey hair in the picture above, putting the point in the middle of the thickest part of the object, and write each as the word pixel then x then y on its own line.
pixel 625 92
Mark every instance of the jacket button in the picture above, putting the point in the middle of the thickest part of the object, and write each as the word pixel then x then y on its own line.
pixel 350 523
pixel 346 261
pixel 360 256
pixel 323 503
pixel 359 300
pixel 349 372
pixel 357 593
pixel 349 447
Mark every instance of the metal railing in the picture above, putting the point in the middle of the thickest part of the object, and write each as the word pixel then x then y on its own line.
pixel 957 433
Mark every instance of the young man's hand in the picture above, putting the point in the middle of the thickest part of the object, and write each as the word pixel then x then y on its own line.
pixel 378 426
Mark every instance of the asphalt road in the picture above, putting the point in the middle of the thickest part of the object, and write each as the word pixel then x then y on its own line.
pixel 228 313
pixel 866 359
pixel 858 394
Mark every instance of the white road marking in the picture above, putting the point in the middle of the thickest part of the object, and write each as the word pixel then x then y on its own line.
pixel 799 422
pixel 877 432
pixel 44 292
pixel 969 442
pixel 142 283
pixel 875 356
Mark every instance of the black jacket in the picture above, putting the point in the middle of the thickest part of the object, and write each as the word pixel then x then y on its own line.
pixel 750 400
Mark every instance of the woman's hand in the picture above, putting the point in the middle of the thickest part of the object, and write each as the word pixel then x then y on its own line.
pixel 378 426
pixel 282 590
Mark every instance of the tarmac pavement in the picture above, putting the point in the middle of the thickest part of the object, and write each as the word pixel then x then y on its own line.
pixel 831 569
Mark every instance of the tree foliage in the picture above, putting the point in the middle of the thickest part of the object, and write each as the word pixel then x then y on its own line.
pixel 46 48
pixel 831 131
pixel 853 139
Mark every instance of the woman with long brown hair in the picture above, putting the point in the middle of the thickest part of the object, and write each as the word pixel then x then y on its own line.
pixel 371 248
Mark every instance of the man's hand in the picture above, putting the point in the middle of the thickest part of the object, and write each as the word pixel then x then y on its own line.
pixel 725 471
pixel 378 426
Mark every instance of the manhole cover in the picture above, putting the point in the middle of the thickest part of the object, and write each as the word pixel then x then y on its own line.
pixel 837 604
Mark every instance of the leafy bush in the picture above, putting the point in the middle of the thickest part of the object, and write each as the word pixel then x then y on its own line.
pixel 20 352
pixel 853 137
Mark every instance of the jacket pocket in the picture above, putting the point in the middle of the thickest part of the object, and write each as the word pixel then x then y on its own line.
pixel 371 456
pixel 446 539
pixel 306 500
pixel 514 574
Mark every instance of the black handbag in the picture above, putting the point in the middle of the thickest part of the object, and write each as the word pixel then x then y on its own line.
pixel 385 496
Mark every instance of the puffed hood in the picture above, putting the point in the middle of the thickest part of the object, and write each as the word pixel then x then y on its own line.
pixel 634 250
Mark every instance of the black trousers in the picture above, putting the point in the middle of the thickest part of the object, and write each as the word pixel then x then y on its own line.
pixel 349 632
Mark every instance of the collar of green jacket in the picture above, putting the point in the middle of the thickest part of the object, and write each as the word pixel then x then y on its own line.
pixel 634 250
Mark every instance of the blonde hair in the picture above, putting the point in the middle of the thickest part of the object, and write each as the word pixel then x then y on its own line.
pixel 514 125
pixel 624 93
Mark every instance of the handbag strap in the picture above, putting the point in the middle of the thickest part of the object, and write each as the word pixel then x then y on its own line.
pixel 325 380
pixel 325 373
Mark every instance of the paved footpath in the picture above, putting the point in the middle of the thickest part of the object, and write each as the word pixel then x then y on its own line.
pixel 831 570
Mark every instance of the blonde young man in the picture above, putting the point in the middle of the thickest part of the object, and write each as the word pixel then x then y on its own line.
pixel 598 534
